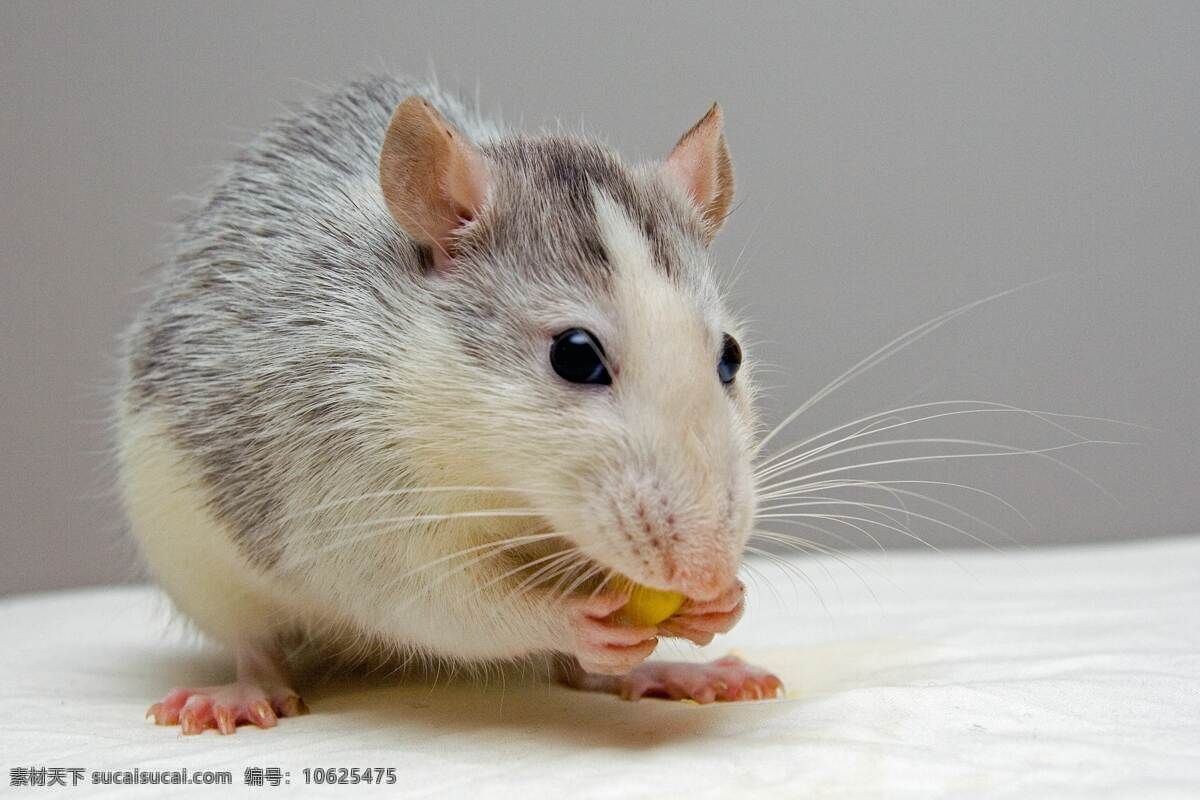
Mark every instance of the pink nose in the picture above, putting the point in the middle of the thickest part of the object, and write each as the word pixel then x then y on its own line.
pixel 701 583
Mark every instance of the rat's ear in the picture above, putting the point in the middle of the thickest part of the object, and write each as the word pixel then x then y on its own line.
pixel 700 164
pixel 433 179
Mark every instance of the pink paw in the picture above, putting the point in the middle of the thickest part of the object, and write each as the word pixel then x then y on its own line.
pixel 700 622
pixel 602 644
pixel 725 679
pixel 223 708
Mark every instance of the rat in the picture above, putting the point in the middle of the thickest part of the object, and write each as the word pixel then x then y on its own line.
pixel 412 386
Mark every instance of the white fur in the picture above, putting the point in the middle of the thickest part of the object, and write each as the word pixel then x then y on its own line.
pixel 196 561
pixel 191 553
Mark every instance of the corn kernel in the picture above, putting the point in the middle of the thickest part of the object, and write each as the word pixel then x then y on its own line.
pixel 646 606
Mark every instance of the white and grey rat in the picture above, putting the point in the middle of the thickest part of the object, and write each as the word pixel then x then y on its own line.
pixel 411 385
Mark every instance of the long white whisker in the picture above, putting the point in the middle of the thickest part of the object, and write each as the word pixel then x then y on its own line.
pixel 443 517
pixel 784 518
pixel 760 579
pixel 891 348
pixel 1005 451
pixel 878 544
pixel 772 464
pixel 871 484
pixel 920 496
pixel 416 490
pixel 842 539
pixel 495 548
pixel 564 564
pixel 553 558
pixel 877 506
pixel 585 575
pixel 792 569
pixel 808 545
pixel 459 569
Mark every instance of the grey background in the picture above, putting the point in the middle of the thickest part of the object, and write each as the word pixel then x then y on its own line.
pixel 894 161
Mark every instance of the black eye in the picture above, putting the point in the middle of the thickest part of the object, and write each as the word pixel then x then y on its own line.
pixel 731 359
pixel 577 357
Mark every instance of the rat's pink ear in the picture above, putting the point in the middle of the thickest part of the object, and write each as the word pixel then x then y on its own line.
pixel 433 179
pixel 700 164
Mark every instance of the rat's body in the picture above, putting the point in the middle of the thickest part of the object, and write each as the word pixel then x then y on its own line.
pixel 340 421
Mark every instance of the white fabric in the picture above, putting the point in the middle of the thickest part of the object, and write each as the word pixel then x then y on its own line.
pixel 1070 672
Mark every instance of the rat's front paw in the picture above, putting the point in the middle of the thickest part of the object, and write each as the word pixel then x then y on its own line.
pixel 700 622
pixel 223 708
pixel 603 644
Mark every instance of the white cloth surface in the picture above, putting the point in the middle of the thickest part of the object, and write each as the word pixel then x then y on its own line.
pixel 1071 672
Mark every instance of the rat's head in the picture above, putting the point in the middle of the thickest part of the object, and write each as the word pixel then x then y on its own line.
pixel 592 361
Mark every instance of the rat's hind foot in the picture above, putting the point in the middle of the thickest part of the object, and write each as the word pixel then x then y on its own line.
pixel 725 679
pixel 259 696
pixel 223 708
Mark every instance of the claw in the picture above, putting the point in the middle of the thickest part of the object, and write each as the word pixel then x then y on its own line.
pixel 226 721
pixel 262 715
pixel 189 724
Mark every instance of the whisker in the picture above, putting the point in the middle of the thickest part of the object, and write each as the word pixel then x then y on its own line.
pixel 826 532
pixel 547 573
pixel 409 522
pixel 871 484
pixel 459 569
pixel 414 490
pixel 554 558
pixel 760 579
pixel 787 520
pixel 877 507
pixel 859 504
pixel 842 539
pixel 604 582
pixel 497 547
pixel 501 545
pixel 586 574
pixel 807 545
pixel 891 348
pixel 1006 451
pixel 438 517
pixel 792 570
pixel 775 465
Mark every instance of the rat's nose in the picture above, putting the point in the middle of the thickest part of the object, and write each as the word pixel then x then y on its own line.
pixel 701 582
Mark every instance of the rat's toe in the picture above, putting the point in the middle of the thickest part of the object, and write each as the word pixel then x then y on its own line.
pixel 288 704
pixel 196 715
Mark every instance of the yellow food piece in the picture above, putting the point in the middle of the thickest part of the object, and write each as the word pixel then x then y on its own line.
pixel 647 606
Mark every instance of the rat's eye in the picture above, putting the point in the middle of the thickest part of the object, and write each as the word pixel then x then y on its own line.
pixel 731 359
pixel 577 357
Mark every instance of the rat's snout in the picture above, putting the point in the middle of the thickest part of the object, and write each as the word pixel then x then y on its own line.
pixel 681 538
